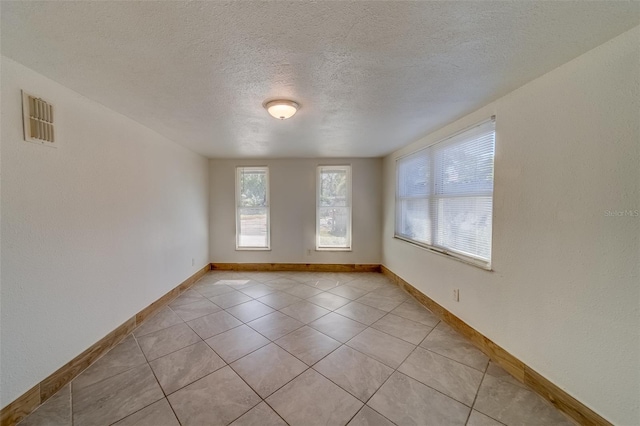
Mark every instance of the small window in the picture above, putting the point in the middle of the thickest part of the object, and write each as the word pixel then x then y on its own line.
pixel 252 208
pixel 444 195
pixel 333 214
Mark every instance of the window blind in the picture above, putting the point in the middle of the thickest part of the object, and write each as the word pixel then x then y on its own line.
pixel 444 195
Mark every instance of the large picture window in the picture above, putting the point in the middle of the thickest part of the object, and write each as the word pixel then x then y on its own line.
pixel 252 208
pixel 333 215
pixel 444 195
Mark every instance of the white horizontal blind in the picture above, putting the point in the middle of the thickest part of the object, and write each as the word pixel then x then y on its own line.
pixel 444 196
pixel 333 215
pixel 252 208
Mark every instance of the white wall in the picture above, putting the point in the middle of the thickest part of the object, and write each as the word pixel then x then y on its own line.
pixel 293 212
pixel 92 231
pixel 564 296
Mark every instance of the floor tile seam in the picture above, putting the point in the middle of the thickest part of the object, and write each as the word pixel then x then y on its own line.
pixel 340 386
pixel 415 344
pixel 429 386
pixel 309 366
pixel 359 322
pixel 237 359
pixel 454 360
pixel 473 407
pixel 94 362
pixel 235 326
pixel 274 410
pixel 193 381
pixel 320 331
pixel 395 370
pixel 106 378
pixel 383 383
pixel 324 307
pixel 163 328
pixel 525 388
pixel 284 313
pixel 439 391
pixel 250 408
pixel 172 352
pixel 305 323
pixel 187 303
pixel 142 408
pixel 252 298
pixel 388 334
pixel 208 299
pixel 375 307
pixel 204 315
pixel 268 338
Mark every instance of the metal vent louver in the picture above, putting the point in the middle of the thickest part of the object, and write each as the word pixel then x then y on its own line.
pixel 37 120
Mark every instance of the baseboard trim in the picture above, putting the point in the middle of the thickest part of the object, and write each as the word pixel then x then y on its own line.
pixel 36 396
pixel 304 267
pixel 518 369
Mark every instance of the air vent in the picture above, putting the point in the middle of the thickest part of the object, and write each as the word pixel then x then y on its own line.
pixel 37 120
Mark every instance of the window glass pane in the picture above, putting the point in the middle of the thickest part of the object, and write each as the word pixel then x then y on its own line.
pixel 464 225
pixel 333 188
pixel 333 213
pixel 413 175
pixel 333 226
pixel 415 220
pixel 253 227
pixel 444 195
pixel 465 167
pixel 252 207
pixel 253 188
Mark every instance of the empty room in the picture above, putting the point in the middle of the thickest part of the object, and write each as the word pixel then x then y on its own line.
pixel 320 213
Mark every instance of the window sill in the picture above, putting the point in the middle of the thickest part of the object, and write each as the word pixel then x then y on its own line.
pixel 460 258
pixel 253 248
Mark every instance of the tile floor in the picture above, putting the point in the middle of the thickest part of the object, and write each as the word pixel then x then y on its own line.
pixel 262 348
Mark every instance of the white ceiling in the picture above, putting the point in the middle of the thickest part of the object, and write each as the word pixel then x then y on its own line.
pixel 371 76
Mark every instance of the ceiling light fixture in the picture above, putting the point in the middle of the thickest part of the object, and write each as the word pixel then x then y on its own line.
pixel 282 108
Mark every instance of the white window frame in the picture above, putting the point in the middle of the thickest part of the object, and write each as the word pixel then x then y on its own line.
pixel 239 170
pixel 472 260
pixel 319 170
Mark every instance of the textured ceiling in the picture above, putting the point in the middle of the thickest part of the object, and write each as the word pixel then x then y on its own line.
pixel 371 76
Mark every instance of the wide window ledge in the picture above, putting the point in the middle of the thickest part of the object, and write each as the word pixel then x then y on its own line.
pixel 253 248
pixel 451 255
pixel 334 249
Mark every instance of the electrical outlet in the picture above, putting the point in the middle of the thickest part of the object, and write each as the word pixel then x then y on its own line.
pixel 193 262
pixel 309 252
pixel 456 294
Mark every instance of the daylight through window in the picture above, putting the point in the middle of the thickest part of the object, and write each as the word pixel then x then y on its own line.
pixel 333 215
pixel 252 208
pixel 444 195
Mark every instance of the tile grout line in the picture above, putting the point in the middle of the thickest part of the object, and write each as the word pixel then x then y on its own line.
pixel 308 367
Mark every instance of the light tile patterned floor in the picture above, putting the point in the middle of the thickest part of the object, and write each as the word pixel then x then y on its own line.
pixel 261 348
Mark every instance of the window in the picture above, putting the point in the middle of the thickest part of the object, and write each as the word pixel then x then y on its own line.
pixel 252 208
pixel 444 195
pixel 333 215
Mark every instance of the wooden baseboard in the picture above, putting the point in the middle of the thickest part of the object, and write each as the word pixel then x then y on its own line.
pixel 304 267
pixel 518 369
pixel 34 397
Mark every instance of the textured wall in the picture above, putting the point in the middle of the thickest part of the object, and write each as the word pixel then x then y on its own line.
pixel 92 231
pixel 564 295
pixel 293 212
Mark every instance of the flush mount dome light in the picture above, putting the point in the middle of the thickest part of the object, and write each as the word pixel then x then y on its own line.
pixel 282 108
